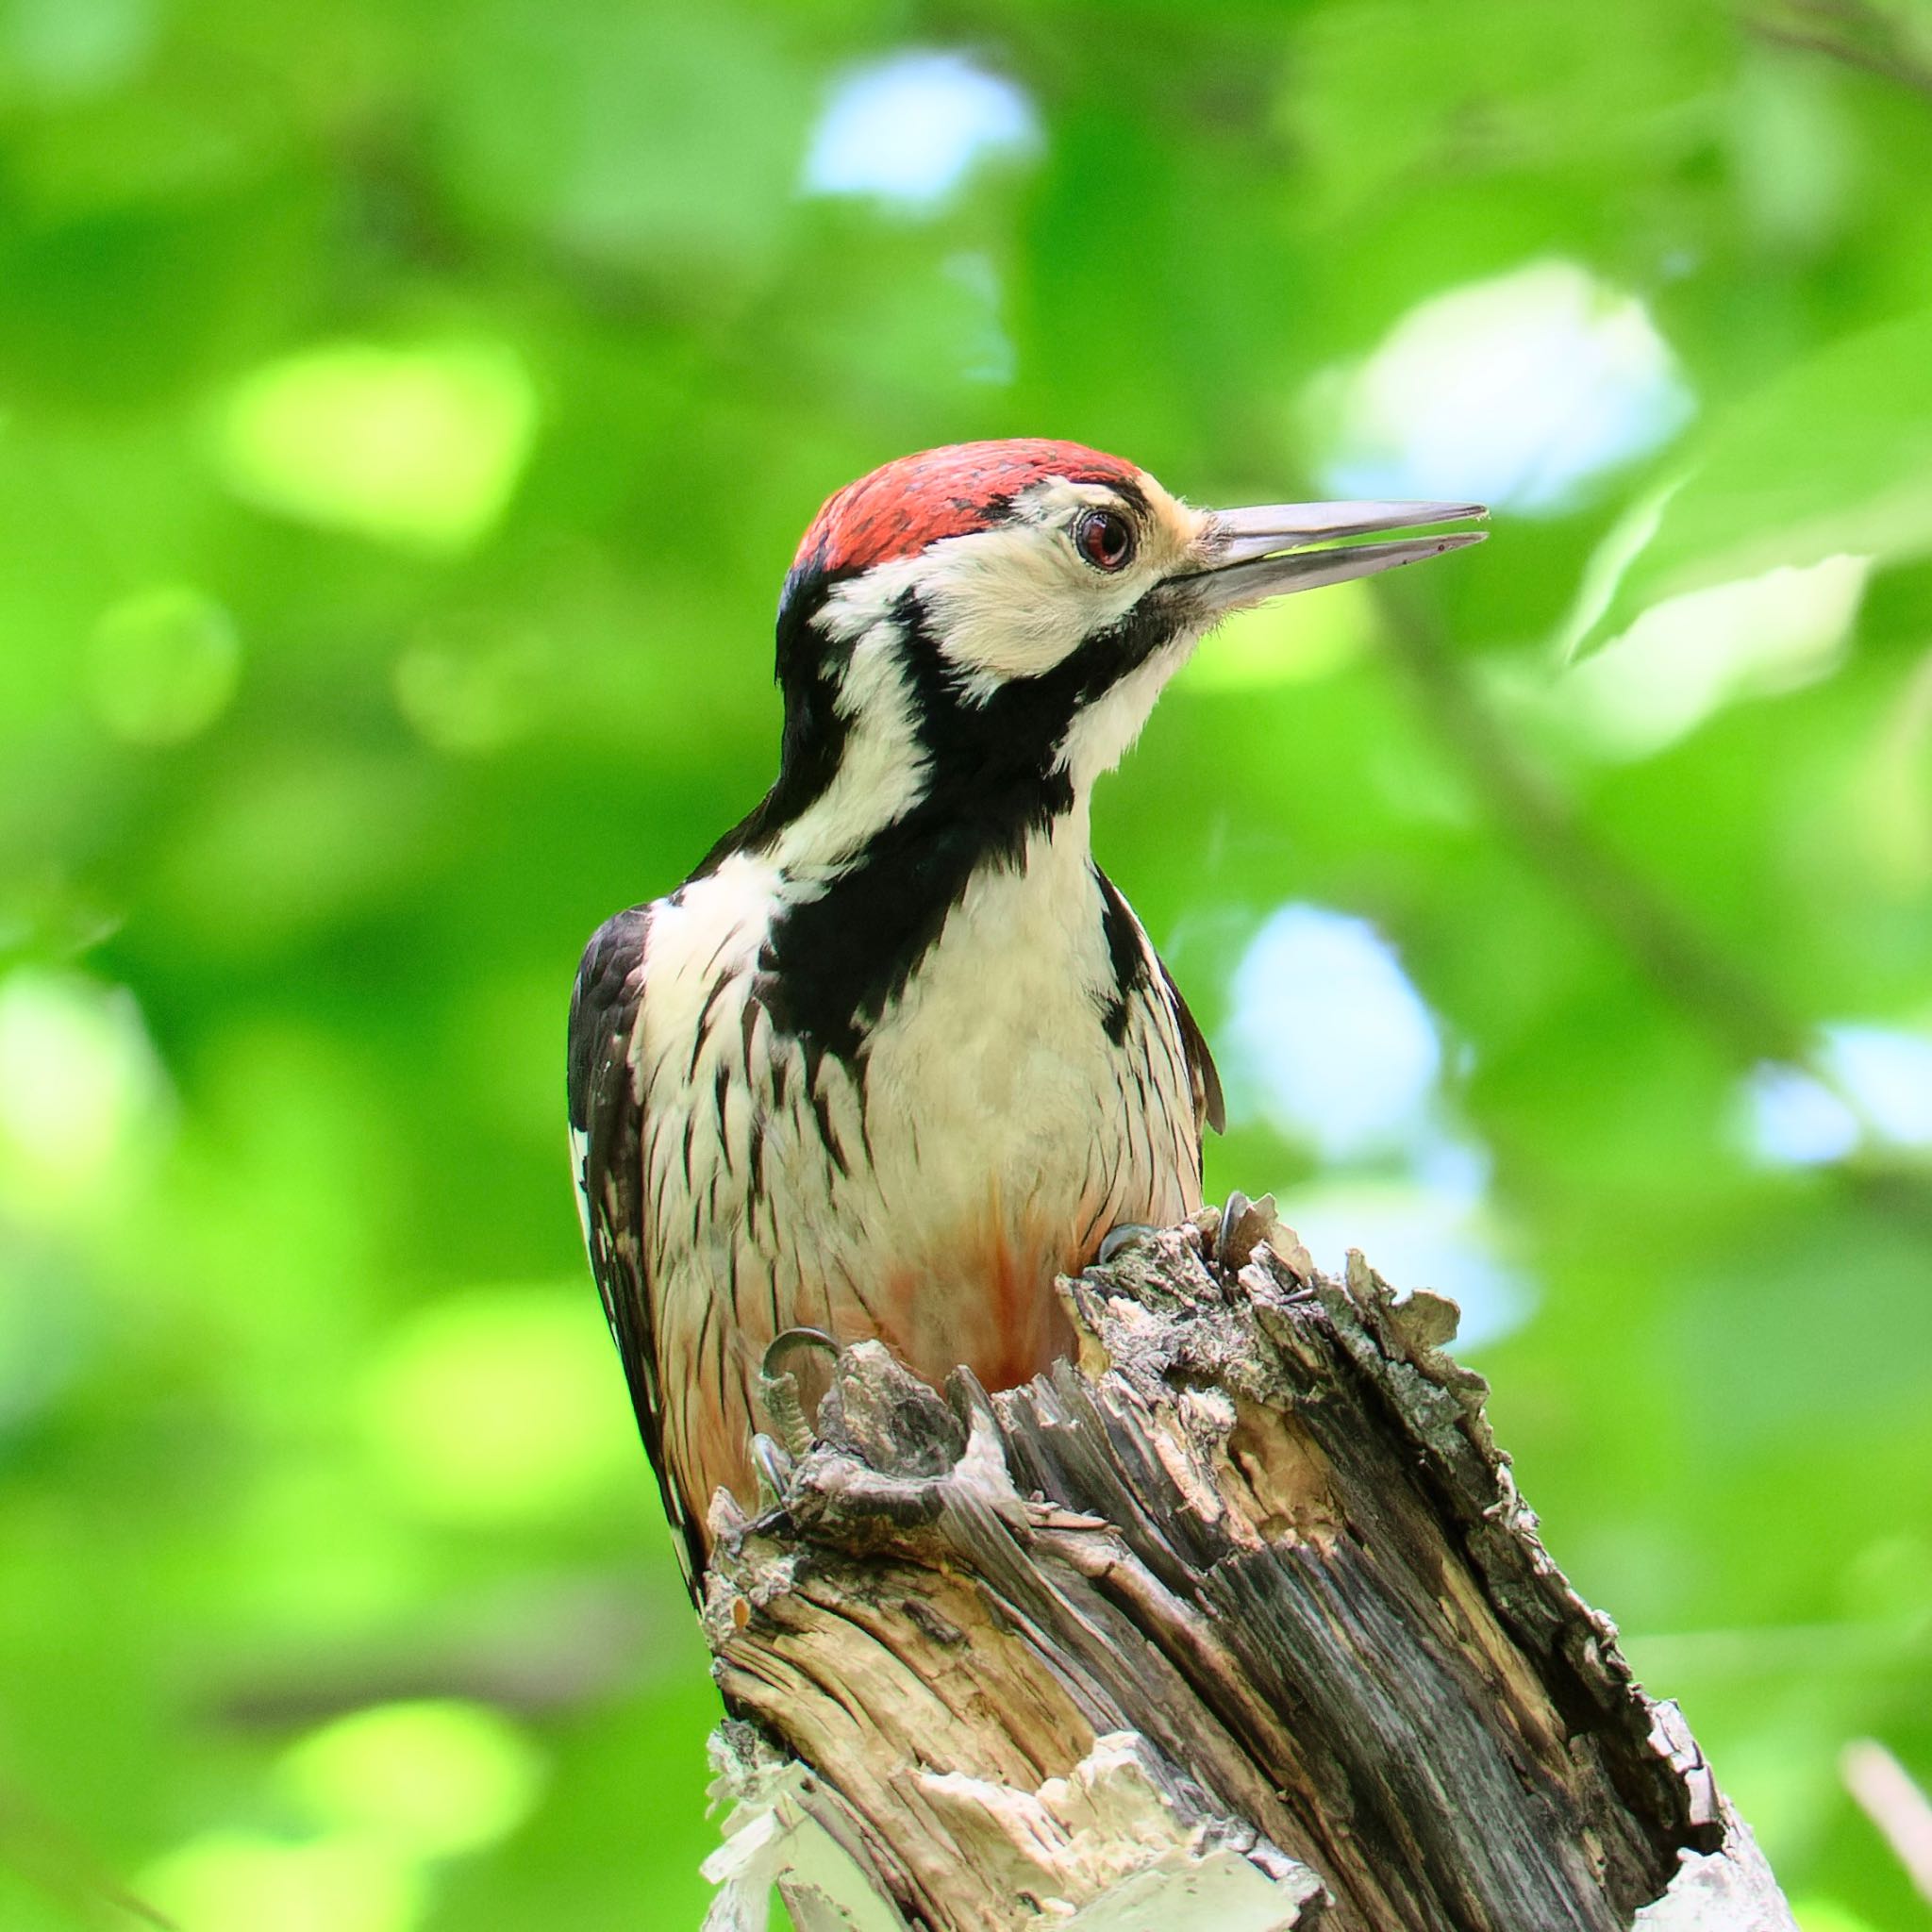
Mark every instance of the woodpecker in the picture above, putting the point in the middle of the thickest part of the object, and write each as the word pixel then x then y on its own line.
pixel 898 1053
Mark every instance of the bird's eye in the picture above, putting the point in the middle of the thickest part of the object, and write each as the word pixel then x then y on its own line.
pixel 1105 539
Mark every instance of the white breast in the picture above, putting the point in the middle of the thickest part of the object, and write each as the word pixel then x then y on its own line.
pixel 993 1067
pixel 991 1134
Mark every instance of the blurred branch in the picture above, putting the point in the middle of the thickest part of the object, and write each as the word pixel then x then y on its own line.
pixel 1886 1794
pixel 1852 32
pixel 556 1649
pixel 1864 1648
pixel 1239 1624
pixel 1677 958
pixel 56 1862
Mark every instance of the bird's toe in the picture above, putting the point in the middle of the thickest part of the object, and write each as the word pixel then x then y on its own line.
pixel 1124 1235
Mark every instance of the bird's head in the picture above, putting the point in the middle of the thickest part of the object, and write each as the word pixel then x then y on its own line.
pixel 1001 616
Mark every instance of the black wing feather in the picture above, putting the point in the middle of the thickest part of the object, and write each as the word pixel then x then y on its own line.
pixel 1132 952
pixel 607 1115
pixel 1209 1106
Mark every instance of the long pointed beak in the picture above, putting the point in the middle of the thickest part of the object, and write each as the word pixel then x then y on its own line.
pixel 1252 555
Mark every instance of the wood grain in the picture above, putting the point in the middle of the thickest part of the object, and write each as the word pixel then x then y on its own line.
pixel 1236 1620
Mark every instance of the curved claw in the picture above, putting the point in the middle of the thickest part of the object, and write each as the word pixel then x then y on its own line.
pixel 773 1466
pixel 1236 1205
pixel 779 1387
pixel 786 1339
pixel 1123 1235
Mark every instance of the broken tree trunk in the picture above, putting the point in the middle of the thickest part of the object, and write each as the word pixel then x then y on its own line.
pixel 1236 1622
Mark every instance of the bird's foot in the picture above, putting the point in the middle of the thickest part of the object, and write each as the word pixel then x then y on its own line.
pixel 775 1465
pixel 1123 1235
pixel 778 1390
pixel 1229 1236
pixel 1245 1225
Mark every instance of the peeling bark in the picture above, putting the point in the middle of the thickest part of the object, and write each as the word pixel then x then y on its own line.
pixel 1236 1622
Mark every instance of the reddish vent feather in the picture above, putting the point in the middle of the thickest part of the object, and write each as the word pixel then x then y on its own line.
pixel 899 510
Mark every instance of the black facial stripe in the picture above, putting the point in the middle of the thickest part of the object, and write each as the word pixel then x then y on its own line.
pixel 832 963
pixel 1105 656
pixel 810 665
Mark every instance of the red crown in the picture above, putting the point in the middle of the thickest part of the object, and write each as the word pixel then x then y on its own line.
pixel 906 505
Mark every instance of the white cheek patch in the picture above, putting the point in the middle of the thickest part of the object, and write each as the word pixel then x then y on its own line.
pixel 1012 602
pixel 1000 604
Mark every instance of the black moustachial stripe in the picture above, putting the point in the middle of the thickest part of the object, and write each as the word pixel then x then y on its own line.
pixel 994 777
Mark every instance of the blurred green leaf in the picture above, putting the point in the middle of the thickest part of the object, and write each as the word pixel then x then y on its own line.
pixel 1833 459
pixel 420 446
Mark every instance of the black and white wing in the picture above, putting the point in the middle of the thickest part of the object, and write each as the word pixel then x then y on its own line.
pixel 1210 1109
pixel 1136 964
pixel 606 1126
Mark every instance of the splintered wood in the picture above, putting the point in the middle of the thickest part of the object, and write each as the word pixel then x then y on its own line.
pixel 1236 1624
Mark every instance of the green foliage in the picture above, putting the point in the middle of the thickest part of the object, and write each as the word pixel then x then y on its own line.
pixel 406 413
pixel 1833 457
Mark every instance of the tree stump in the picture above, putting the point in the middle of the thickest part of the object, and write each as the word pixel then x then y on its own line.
pixel 1236 1622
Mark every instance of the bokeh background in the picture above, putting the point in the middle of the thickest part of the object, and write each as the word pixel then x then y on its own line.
pixel 408 408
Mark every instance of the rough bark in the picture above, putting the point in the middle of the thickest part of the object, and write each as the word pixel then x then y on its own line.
pixel 1236 1622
